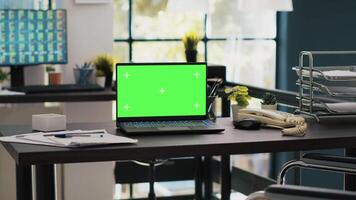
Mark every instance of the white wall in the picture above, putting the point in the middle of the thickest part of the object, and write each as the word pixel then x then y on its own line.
pixel 90 32
pixel 7 175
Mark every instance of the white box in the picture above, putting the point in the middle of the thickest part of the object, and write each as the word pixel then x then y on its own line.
pixel 49 122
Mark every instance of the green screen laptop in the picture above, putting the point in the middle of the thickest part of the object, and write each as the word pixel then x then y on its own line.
pixel 162 97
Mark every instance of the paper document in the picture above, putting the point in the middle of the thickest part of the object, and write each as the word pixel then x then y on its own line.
pixel 340 73
pixel 76 138
pixel 344 107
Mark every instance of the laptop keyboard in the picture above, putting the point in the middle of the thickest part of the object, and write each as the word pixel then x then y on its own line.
pixel 159 124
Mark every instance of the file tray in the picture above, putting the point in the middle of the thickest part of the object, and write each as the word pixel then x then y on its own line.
pixel 341 108
pixel 325 90
pixel 334 73
pixel 333 91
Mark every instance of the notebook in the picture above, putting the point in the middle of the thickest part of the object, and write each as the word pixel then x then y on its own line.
pixel 162 98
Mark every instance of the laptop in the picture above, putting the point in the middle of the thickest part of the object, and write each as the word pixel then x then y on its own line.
pixel 162 98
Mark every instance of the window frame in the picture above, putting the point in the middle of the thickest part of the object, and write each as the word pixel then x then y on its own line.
pixel 205 39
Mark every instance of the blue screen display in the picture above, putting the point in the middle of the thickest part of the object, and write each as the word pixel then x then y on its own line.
pixel 33 37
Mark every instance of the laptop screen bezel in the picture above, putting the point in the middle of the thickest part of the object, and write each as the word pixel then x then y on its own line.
pixel 160 118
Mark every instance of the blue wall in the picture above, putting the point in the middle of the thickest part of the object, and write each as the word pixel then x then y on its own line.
pixel 314 25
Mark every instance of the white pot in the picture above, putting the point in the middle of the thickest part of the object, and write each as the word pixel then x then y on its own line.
pixel 235 109
pixel 100 80
pixel 269 107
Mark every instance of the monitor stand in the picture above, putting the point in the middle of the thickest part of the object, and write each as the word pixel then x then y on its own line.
pixel 17 76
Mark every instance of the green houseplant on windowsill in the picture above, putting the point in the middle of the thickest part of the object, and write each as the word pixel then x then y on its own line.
pixel 190 41
pixel 239 98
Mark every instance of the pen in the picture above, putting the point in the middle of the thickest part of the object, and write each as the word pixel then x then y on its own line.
pixel 73 135
pixel 81 133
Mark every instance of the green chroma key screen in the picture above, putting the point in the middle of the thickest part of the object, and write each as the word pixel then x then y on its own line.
pixel 159 90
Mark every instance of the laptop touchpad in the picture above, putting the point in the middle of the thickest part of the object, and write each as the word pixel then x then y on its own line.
pixel 182 128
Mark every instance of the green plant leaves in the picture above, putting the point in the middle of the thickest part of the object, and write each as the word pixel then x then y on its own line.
pixel 104 63
pixel 191 40
pixel 3 75
pixel 239 94
pixel 269 99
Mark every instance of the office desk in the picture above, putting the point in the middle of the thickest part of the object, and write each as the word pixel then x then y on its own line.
pixel 106 95
pixel 92 96
pixel 331 134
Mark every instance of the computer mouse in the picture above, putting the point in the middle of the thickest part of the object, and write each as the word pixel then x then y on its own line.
pixel 247 124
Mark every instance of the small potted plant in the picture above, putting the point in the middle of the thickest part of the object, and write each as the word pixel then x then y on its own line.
pixel 239 98
pixel 105 63
pixel 100 78
pixel 3 77
pixel 54 78
pixel 269 101
pixel 190 41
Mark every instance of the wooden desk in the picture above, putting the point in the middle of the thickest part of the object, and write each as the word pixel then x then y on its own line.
pixel 329 134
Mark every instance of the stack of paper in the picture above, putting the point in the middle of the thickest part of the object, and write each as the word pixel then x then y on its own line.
pixel 344 107
pixel 76 138
pixel 340 73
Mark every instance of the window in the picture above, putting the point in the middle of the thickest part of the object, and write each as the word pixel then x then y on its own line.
pixel 145 31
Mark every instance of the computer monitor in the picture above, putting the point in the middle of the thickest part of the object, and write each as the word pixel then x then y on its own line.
pixel 32 37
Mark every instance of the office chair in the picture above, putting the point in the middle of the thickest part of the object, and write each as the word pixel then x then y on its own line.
pixel 293 192
pixel 319 161
pixel 155 170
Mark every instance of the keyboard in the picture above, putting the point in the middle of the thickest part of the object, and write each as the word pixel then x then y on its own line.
pixel 32 89
pixel 159 124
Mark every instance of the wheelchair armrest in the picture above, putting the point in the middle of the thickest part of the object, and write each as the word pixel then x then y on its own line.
pixel 329 160
pixel 259 195
pixel 292 192
pixel 320 161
